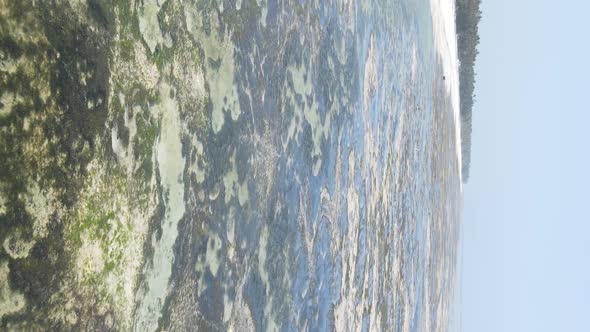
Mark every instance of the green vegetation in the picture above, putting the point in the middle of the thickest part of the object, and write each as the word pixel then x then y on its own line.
pixel 468 16
pixel 95 220
pixel 65 198
pixel 148 130
pixel 162 56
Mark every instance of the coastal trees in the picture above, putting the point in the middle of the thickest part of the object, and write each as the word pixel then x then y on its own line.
pixel 468 15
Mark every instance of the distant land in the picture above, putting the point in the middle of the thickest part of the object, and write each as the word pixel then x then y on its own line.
pixel 468 15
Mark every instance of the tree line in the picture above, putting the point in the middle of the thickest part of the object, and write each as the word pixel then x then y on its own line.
pixel 467 17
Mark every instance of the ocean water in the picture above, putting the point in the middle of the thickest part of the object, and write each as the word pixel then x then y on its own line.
pixel 333 193
pixel 271 165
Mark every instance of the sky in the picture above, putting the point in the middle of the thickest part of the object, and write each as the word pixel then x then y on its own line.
pixel 525 247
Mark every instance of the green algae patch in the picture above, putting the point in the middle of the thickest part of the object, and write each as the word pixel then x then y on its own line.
pixel 95 101
pixel 106 236
pixel 95 222
pixel 73 221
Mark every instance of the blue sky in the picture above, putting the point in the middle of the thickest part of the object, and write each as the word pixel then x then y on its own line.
pixel 526 209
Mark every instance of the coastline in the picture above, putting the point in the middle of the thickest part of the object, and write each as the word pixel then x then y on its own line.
pixel 445 39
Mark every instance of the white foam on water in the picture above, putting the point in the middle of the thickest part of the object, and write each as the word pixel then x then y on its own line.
pixel 445 40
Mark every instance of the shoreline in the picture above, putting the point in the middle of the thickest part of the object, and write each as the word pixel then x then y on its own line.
pixel 445 39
